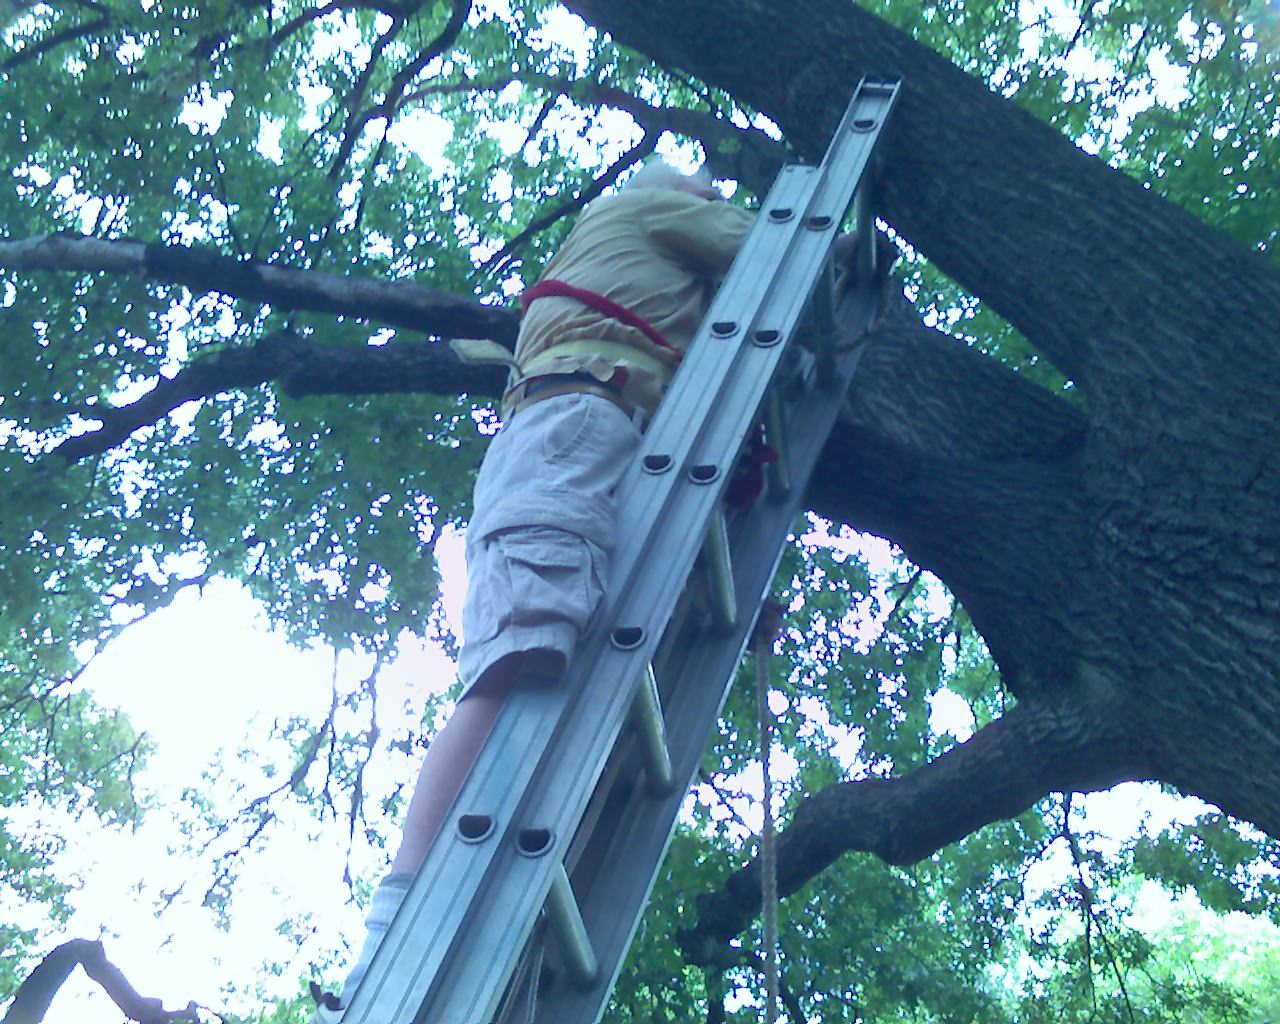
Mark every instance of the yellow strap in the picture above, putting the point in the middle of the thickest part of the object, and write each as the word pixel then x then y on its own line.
pixel 611 351
pixel 481 352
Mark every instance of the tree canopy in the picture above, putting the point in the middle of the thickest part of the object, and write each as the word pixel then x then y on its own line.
pixel 233 237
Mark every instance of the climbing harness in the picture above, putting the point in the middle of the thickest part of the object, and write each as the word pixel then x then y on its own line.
pixel 602 304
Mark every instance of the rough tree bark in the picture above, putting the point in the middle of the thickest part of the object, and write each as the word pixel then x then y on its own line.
pixel 1122 557
pixel 1120 554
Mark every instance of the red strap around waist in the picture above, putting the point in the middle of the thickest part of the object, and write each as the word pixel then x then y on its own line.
pixel 602 305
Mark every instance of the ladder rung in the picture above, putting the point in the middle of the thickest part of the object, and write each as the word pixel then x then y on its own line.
pixel 824 298
pixel 579 958
pixel 778 472
pixel 720 595
pixel 651 736
pixel 865 239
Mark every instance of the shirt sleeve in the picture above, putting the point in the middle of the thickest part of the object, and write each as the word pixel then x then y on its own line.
pixel 705 233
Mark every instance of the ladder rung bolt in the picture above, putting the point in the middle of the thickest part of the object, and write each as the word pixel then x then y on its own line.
pixel 627 638
pixel 704 473
pixel 766 338
pixel 534 842
pixel 657 463
pixel 475 828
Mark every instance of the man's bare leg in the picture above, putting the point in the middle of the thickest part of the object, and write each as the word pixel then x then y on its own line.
pixel 445 768
pixel 452 754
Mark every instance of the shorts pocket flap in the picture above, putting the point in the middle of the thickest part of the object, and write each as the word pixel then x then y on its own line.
pixel 542 547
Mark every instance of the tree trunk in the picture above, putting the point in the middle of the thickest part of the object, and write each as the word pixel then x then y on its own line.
pixel 1120 552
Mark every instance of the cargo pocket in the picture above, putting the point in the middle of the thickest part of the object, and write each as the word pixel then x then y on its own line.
pixel 552 577
pixel 488 593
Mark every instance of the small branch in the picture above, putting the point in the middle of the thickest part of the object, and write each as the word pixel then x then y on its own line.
pixel 500 260
pixel 355 98
pixel 255 817
pixel 1092 920
pixel 1086 18
pixel 746 155
pixel 392 100
pixel 908 588
pixel 302 20
pixel 356 813
pixel 540 118
pixel 789 999
pixel 468 85
pixel 436 48
pixel 35 995
pixel 713 980
pixel 67 35
pixel 709 779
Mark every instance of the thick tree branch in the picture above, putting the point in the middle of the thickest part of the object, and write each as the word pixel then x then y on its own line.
pixel 397 303
pixel 1003 769
pixel 1087 263
pixel 35 995
pixel 299 367
pixel 975 471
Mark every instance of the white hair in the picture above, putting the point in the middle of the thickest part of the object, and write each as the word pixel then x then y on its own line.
pixel 660 174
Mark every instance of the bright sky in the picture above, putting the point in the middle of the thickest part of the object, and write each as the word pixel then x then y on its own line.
pixel 205 679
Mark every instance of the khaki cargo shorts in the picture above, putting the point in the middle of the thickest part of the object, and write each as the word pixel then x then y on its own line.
pixel 543 528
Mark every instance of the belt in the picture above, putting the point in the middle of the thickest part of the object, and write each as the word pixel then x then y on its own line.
pixel 553 385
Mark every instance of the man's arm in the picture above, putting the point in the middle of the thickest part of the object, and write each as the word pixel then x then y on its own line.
pixel 703 232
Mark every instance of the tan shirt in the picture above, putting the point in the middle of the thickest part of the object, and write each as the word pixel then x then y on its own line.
pixel 660 253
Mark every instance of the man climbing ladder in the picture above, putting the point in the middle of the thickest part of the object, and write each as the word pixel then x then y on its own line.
pixel 616 308
pixel 528 809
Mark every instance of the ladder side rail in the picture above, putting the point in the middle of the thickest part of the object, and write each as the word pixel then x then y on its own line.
pixel 637 845
pixel 556 803
pixel 557 799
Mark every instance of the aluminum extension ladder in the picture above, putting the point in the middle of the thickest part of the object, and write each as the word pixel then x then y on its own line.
pixel 555 840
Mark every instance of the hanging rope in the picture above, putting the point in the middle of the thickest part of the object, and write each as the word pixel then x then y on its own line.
pixel 766 630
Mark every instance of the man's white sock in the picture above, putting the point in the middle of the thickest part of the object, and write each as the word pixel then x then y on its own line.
pixel 382 910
